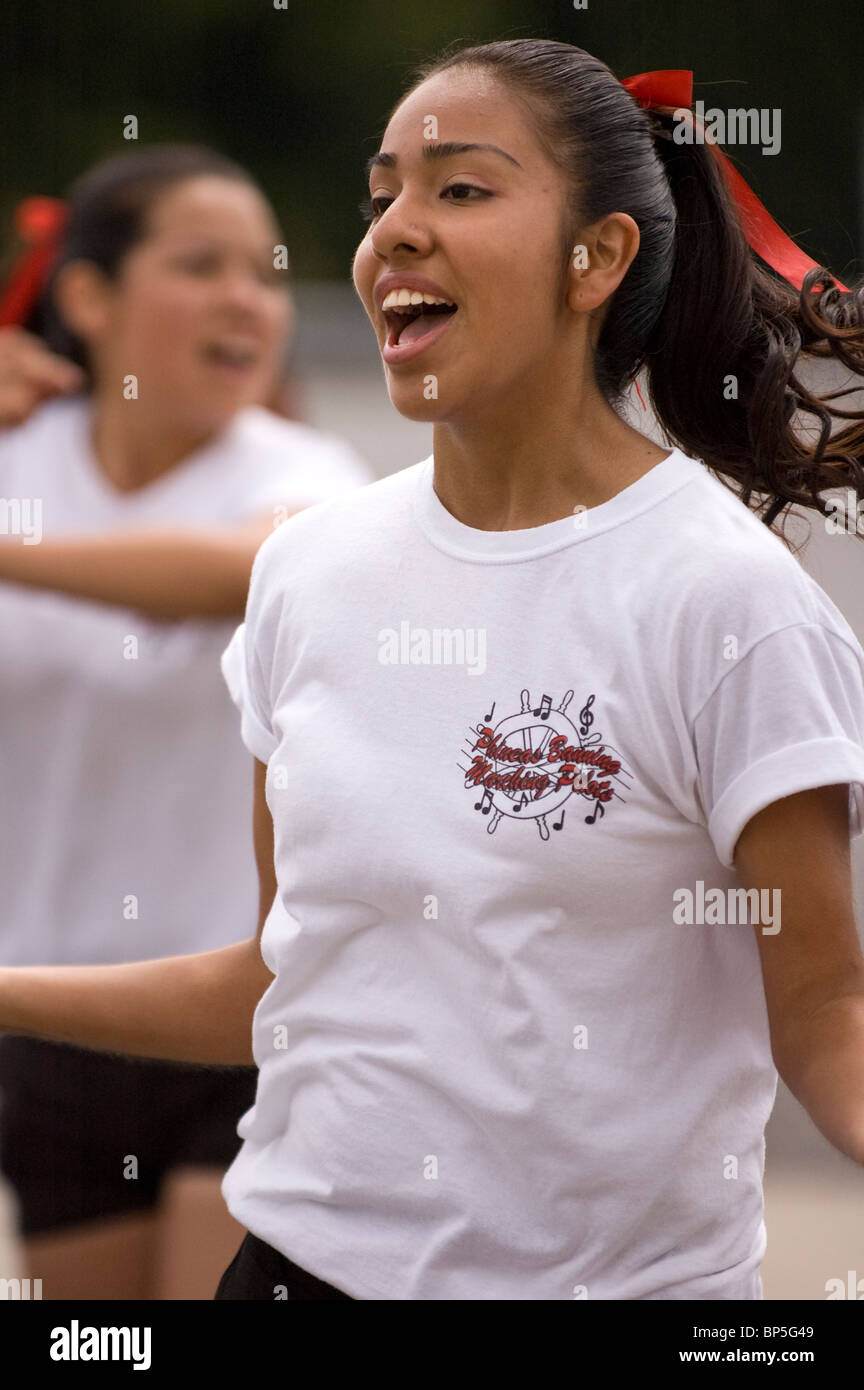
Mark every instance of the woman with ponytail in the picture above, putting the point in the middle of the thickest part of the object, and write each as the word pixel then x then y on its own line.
pixel 554 797
pixel 130 515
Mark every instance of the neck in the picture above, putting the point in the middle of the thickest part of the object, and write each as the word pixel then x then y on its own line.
pixel 133 446
pixel 536 455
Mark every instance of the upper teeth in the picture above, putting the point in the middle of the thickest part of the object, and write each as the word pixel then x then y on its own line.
pixel 406 299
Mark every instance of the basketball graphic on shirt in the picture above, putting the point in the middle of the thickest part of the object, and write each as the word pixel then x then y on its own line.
pixel 529 765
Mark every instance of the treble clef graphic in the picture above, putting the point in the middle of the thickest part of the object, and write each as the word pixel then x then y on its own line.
pixel 586 718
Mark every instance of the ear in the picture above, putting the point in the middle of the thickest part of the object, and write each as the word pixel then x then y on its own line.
pixel 600 259
pixel 83 296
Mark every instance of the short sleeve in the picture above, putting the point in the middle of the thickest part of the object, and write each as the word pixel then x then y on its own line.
pixel 788 716
pixel 243 669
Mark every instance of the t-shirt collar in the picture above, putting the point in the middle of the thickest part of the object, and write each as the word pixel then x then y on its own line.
pixel 466 542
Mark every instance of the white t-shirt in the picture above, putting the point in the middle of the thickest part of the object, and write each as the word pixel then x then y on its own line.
pixel 494 1064
pixel 126 810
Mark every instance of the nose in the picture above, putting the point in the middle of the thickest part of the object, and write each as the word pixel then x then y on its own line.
pixel 243 292
pixel 401 228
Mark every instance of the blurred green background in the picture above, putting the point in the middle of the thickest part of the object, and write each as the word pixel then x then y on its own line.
pixel 301 94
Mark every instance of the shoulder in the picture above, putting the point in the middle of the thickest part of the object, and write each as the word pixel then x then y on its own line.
pixel 286 464
pixel 314 552
pixel 723 563
pixel 272 438
pixel 721 590
pixel 328 531
pixel 52 423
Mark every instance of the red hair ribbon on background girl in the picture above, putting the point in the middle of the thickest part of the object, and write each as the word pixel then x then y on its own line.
pixel 40 223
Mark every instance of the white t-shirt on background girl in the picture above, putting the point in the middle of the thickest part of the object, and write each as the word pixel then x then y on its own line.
pixel 126 811
pixel 495 1063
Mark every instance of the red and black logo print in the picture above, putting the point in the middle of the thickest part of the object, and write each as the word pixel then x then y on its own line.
pixel 530 764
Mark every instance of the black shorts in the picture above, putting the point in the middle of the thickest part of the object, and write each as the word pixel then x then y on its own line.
pixel 76 1126
pixel 259 1271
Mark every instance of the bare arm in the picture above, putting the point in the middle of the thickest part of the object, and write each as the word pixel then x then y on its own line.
pixel 194 1008
pixel 813 968
pixel 165 572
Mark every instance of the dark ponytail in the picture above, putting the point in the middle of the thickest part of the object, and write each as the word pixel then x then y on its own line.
pixel 719 335
pixel 108 208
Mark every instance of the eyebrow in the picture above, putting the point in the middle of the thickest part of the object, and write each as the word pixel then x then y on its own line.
pixel 443 150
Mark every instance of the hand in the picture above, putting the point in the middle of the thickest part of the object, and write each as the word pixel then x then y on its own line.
pixel 29 374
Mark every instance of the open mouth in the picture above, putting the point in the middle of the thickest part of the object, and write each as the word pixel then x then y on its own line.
pixel 230 355
pixel 409 322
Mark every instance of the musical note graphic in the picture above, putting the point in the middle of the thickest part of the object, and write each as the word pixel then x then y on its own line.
pixel 536 792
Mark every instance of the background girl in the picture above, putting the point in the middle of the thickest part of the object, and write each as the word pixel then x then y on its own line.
pixel 126 801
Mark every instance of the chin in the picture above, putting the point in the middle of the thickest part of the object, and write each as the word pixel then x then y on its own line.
pixel 227 402
pixel 407 397
pixel 212 416
pixel 424 412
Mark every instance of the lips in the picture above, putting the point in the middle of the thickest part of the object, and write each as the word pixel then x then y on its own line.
pixel 236 355
pixel 412 328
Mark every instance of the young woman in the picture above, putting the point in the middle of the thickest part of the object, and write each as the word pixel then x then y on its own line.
pixel 517 1034
pixel 132 512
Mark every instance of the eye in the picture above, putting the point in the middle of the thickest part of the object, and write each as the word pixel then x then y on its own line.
pixel 371 208
pixel 204 263
pixel 466 188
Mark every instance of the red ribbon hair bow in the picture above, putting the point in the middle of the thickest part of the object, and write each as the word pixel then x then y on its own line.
pixel 673 87
pixel 39 222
